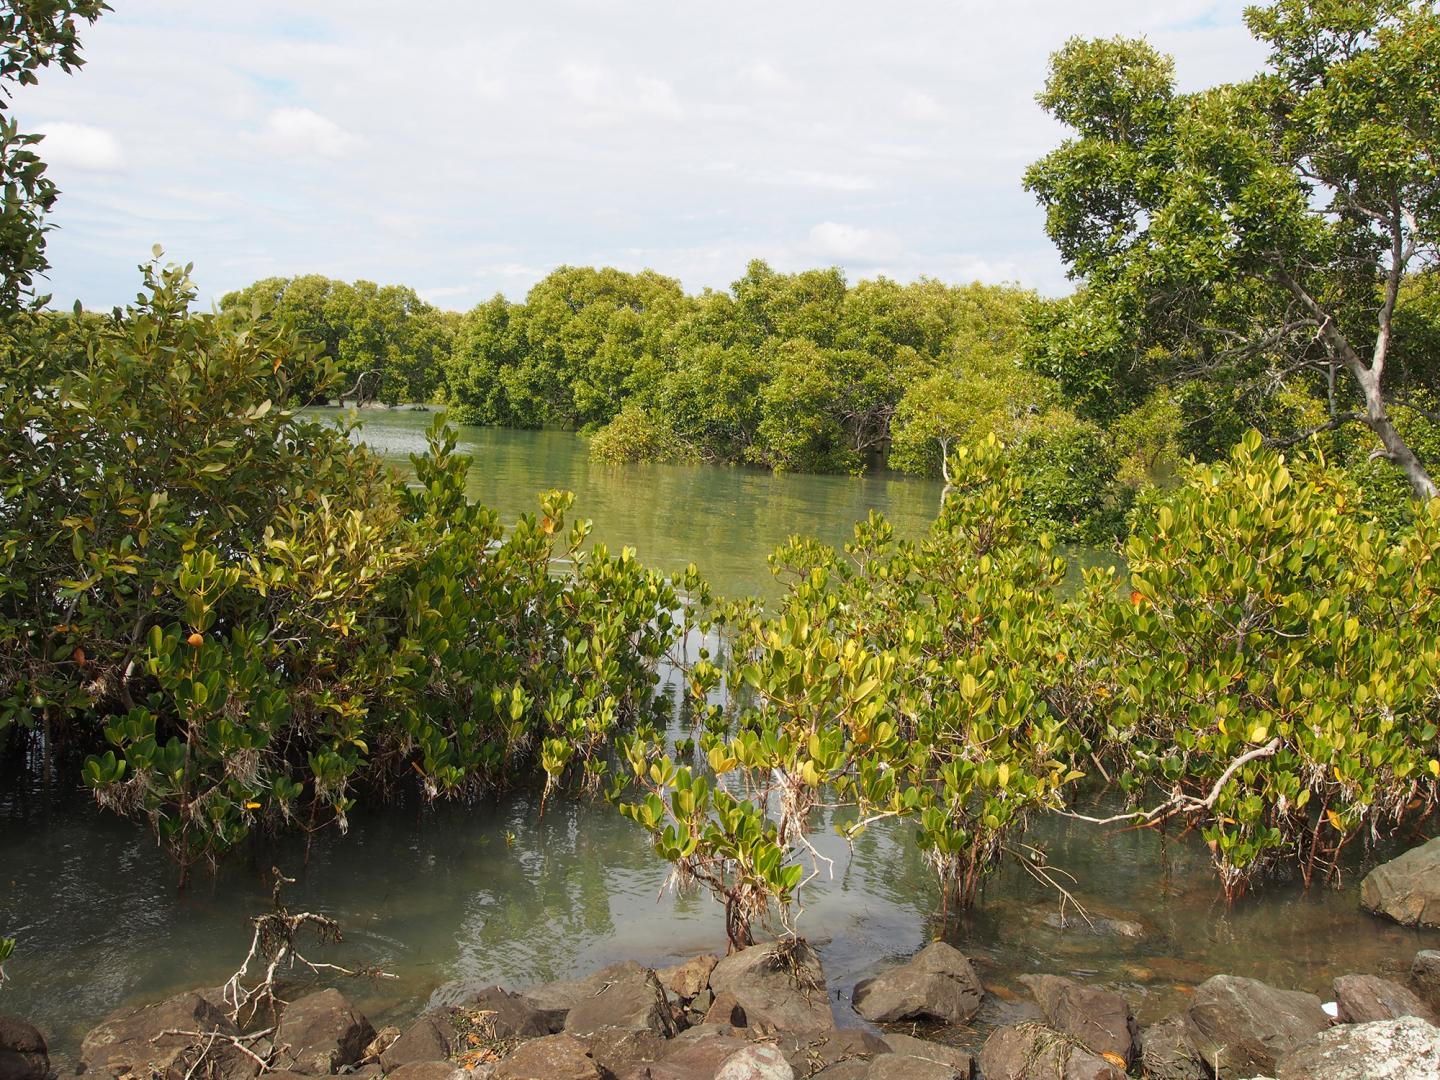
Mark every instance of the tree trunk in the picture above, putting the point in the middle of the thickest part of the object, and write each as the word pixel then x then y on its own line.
pixel 1395 448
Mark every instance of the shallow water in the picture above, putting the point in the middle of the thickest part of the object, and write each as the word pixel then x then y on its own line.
pixel 494 892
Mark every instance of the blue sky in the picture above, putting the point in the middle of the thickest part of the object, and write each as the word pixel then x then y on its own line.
pixel 467 148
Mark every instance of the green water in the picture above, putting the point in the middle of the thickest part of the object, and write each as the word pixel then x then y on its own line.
pixel 494 892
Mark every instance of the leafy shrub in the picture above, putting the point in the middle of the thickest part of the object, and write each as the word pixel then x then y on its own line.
pixel 635 435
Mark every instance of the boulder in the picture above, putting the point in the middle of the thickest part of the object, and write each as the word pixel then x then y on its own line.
pixel 131 1041
pixel 553 1057
pixel 853 1069
pixel 808 1054
pixel 430 1038
pixel 780 986
pixel 1362 998
pixel 556 999
pixel 1242 1027
pixel 23 1053
pixel 905 1067
pixel 426 1070
pixel 1035 1052
pixel 1425 978
pixel 961 1061
pixel 321 1033
pixel 725 1009
pixel 758 1061
pixel 1403 1049
pixel 634 999
pixel 686 981
pixel 696 1055
pixel 937 984
pixel 619 1050
pixel 1099 1020
pixel 1406 889
pixel 1168 1053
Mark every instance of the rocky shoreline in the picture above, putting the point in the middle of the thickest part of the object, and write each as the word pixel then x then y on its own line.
pixel 766 1013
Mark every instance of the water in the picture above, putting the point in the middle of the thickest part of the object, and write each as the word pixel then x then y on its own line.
pixel 494 892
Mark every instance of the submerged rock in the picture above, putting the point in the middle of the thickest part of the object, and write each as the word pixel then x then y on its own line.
pixel 1035 1052
pixel 1406 889
pixel 321 1033
pixel 23 1052
pixel 1242 1027
pixel 780 987
pixel 134 1042
pixel 937 984
pixel 1362 998
pixel 1098 1019
pixel 1403 1049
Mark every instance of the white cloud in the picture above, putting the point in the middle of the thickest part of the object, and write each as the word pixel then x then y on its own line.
pixel 850 243
pixel 302 132
pixel 920 106
pixel 816 178
pixel 79 146
pixel 766 75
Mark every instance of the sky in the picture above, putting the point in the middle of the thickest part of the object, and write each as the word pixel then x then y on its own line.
pixel 468 148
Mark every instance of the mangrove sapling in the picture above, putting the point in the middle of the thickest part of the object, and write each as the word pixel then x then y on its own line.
pixel 274 949
pixel 1274 667
pixel 905 682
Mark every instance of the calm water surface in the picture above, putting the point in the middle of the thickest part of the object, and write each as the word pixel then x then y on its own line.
pixel 494 892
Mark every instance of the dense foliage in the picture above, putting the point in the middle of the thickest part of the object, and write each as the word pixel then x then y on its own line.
pixel 249 615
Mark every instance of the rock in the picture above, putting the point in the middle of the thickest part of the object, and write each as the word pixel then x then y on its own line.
pixel 962 1061
pixel 1242 1027
pixel 553 1057
pixel 430 1038
pixel 780 987
pixel 633 999
pixel 503 1015
pixel 23 1053
pixel 689 979
pixel 1168 1053
pixel 905 1067
pixel 1363 998
pixel 1403 1049
pixel 1406 889
pixel 696 1055
pixel 384 1039
pixel 618 1050
pixel 320 1033
pixel 854 1069
pixel 556 999
pixel 1425 978
pixel 937 984
pixel 809 1054
pixel 1099 1020
pixel 1095 926
pixel 725 1010
pixel 1035 1052
pixel 758 1061
pixel 425 1070
pixel 130 1041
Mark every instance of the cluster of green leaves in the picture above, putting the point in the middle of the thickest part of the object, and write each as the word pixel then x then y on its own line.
pixel 245 616
pixel 383 342
pixel 925 682
pixel 1271 623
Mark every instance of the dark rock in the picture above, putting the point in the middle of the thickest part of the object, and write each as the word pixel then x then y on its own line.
pixel 503 1015
pixel 321 1033
pixel 1242 1027
pixel 131 1041
pixel 809 1054
pixel 1035 1052
pixel 689 979
pixel 633 999
pixel 780 986
pixel 618 1050
pixel 553 1057
pixel 1425 978
pixel 1403 1049
pixel 962 1061
pixel 1167 1052
pixel 23 1053
pixel 1406 889
pixel 937 984
pixel 430 1038
pixel 696 1055
pixel 1095 926
pixel 1099 1020
pixel 426 1070
pixel 556 999
pixel 1362 998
